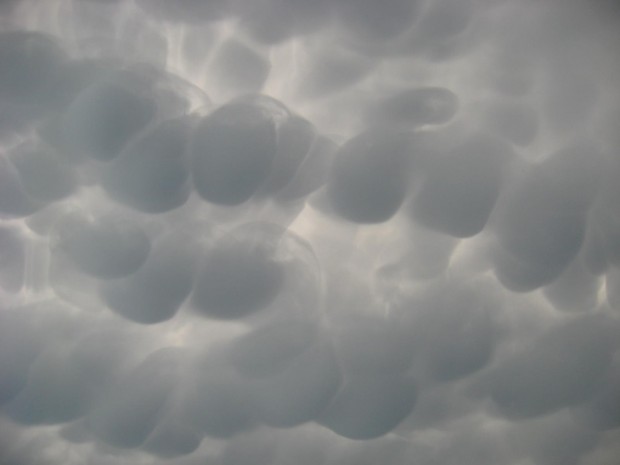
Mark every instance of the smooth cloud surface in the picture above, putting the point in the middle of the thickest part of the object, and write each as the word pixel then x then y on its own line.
pixel 316 232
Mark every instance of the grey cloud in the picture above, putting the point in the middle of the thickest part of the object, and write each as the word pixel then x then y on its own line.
pixel 311 232
pixel 186 10
pixel 267 351
pixel 454 328
pixel 571 96
pixel 64 381
pixel 256 448
pixel 445 19
pixel 541 226
pixel 107 247
pixel 74 76
pixel 373 345
pixel 300 390
pixel 576 289
pixel 39 341
pixel 461 187
pixel 156 291
pixel 297 136
pixel 563 368
pixel 416 107
pixel 421 255
pixel 368 407
pixel 30 63
pixel 441 33
pixel 369 21
pixel 612 286
pixel 311 174
pixel 601 411
pixel 152 174
pixel 232 153
pixel 216 401
pixel 19 350
pixel 370 175
pixel 518 123
pixel 44 177
pixel 14 201
pixel 331 70
pixel 274 21
pixel 392 450
pixel 553 439
pixel 103 117
pixel 440 405
pixel 172 439
pixel 262 446
pixel 20 448
pixel 130 409
pixel 240 275
pixel 12 260
pixel 239 67
pixel 602 242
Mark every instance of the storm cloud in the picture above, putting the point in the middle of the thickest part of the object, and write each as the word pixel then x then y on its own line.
pixel 322 232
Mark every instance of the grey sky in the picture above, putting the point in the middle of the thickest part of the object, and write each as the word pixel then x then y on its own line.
pixel 322 232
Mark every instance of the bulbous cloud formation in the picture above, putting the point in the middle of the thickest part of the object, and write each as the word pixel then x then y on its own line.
pixel 318 232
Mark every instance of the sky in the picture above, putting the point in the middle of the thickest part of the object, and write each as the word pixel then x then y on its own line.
pixel 263 232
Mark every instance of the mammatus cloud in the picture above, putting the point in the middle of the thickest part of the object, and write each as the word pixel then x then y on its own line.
pixel 328 232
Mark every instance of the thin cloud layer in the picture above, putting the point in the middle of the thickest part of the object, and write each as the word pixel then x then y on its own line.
pixel 317 232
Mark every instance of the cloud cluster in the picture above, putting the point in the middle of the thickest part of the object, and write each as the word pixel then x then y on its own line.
pixel 326 232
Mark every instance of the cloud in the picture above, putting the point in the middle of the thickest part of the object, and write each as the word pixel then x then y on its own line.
pixel 370 176
pixel 152 174
pixel 460 189
pixel 316 232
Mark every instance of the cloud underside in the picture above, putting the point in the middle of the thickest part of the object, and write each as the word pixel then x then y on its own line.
pixel 319 232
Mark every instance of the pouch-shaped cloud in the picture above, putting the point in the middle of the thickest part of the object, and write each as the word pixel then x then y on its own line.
pixel 301 388
pixel 106 247
pixel 576 289
pixel 64 381
pixel 155 292
pixel 267 351
pixel 318 232
pixel 30 61
pixel 541 227
pixel 232 152
pixel 236 66
pixel 369 21
pixel 296 137
pixel 241 273
pixel 416 107
pixel 543 379
pixel 370 176
pixel 43 175
pixel 373 345
pixel 461 187
pixel 216 401
pixel 152 174
pixel 103 118
pixel 369 407
pixel 130 409
pixel 454 329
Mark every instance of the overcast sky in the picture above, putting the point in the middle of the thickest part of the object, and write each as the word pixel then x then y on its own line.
pixel 311 232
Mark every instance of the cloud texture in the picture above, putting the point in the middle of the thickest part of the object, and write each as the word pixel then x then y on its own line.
pixel 316 232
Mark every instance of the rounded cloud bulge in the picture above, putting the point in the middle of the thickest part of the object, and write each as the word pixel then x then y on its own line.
pixel 321 232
